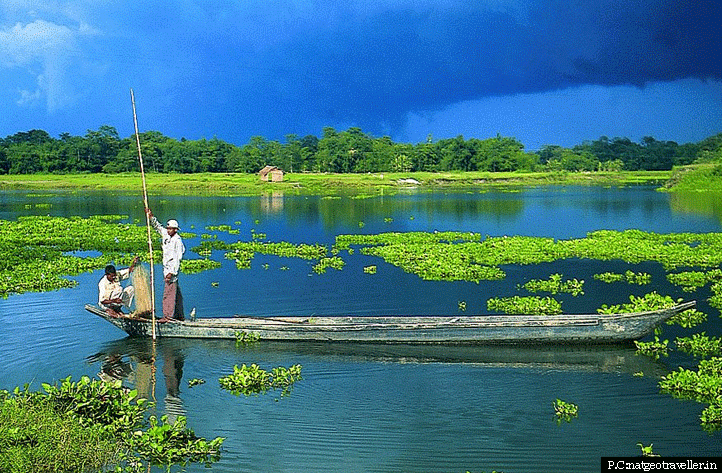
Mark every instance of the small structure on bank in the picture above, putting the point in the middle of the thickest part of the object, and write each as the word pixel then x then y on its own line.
pixel 271 174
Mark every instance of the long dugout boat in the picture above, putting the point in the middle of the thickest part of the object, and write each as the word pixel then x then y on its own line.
pixel 492 329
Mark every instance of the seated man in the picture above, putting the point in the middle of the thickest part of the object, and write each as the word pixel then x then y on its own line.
pixel 111 295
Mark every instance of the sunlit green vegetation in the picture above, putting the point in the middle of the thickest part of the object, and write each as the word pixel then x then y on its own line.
pixel 700 345
pixel 555 285
pixel 525 305
pixel 629 276
pixel 39 253
pixel 703 385
pixel 648 302
pixel 692 280
pixel 253 379
pixel 469 257
pixel 90 425
pixel 192 266
pixel 653 349
pixel 349 151
pixel 565 411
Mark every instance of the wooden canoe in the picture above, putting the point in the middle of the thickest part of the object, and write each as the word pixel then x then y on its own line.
pixel 503 329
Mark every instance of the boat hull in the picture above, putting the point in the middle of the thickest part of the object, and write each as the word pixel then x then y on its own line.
pixel 493 329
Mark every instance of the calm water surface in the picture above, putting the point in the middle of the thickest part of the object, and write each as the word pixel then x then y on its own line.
pixel 380 408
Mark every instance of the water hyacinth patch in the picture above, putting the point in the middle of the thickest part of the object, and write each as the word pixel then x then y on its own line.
pixel 252 379
pixel 703 385
pixel 692 280
pixel 37 252
pixel 700 345
pixel 688 319
pixel 565 411
pixel 555 285
pixel 653 349
pixel 648 302
pixel 525 305
pixel 470 257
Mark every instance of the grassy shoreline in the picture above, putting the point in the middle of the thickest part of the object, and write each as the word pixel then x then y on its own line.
pixel 250 184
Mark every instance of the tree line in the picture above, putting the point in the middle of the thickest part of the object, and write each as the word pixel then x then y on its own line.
pixel 349 151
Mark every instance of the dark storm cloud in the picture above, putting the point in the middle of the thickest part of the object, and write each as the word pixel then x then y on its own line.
pixel 376 68
pixel 274 67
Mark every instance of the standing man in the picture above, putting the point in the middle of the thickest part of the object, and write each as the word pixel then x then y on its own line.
pixel 173 250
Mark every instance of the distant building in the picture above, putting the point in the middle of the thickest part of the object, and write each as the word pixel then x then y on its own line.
pixel 271 174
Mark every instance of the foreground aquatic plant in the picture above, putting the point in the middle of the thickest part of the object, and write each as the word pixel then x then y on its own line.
pixel 647 451
pixel 90 425
pixel 252 379
pixel 703 385
pixel 700 345
pixel 165 443
pixel 565 411
pixel 525 305
pixel 653 349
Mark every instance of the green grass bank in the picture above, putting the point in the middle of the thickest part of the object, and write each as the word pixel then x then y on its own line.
pixel 323 184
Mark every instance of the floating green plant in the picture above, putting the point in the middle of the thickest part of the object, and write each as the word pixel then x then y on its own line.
pixel 193 266
pixel 653 349
pixel 555 285
pixel 688 318
pixel 647 451
pixel 370 269
pixel 246 338
pixel 716 299
pixel 469 257
pixel 565 411
pixel 324 263
pixel 700 345
pixel 37 252
pixel 629 276
pixel 525 305
pixel 703 385
pixel 252 379
pixel 609 277
pixel 648 302
pixel 195 382
pixel 692 280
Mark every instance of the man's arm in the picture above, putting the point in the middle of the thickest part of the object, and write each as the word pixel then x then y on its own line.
pixel 154 222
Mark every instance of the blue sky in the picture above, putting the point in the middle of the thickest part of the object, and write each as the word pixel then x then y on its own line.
pixel 542 71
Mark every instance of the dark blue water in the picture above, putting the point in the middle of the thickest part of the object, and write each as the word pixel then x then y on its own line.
pixel 380 408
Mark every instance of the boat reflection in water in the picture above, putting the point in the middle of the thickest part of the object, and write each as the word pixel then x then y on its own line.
pixel 133 362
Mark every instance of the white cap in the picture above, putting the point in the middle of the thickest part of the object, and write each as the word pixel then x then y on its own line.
pixel 172 224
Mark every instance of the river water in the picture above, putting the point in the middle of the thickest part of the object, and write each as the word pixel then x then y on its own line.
pixel 380 408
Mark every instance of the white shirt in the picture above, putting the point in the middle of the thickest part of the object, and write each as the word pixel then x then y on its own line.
pixel 112 290
pixel 173 249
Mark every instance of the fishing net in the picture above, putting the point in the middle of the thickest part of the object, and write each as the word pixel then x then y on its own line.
pixel 140 278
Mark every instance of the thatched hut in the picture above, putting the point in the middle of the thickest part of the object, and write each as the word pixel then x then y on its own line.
pixel 271 174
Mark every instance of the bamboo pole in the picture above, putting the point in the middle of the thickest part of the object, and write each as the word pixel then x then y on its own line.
pixel 147 217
